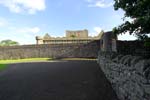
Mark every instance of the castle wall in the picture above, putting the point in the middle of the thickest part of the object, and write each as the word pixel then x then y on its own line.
pixel 77 34
pixel 47 50
pixel 39 41
pixel 108 42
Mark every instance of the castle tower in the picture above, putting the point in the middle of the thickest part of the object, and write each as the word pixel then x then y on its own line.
pixel 77 34
pixel 108 42
pixel 39 40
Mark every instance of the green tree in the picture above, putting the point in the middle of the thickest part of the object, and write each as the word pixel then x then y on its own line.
pixel 73 36
pixel 139 11
pixel 8 43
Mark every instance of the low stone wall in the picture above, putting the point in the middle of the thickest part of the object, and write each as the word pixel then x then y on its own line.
pixel 46 50
pixel 129 75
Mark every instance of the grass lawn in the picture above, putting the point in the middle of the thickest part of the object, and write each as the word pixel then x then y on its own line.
pixel 3 66
pixel 4 63
pixel 24 60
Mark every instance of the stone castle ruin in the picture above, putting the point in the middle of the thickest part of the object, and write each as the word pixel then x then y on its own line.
pixel 78 36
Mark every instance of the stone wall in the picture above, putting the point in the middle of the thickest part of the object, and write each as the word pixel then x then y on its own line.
pixel 46 50
pixel 129 75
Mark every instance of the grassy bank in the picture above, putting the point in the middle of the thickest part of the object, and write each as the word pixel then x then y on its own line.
pixel 24 60
pixel 4 63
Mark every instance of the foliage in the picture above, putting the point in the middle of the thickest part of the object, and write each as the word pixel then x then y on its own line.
pixel 139 11
pixel 142 37
pixel 73 36
pixel 147 42
pixel 8 43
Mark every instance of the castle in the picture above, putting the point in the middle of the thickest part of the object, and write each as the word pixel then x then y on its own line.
pixel 78 36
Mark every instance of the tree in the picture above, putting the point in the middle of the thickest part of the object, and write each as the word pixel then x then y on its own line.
pixel 73 36
pixel 8 43
pixel 139 11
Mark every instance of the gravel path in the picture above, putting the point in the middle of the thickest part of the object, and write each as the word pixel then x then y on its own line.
pixel 62 80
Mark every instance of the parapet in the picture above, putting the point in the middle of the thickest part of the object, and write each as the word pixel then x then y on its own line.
pixel 39 38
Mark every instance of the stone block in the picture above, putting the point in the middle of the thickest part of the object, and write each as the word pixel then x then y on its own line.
pixel 128 81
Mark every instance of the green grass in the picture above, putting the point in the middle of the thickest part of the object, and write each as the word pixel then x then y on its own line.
pixel 24 60
pixel 3 66
pixel 4 63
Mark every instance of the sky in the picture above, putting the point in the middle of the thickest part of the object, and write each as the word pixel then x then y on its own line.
pixel 22 20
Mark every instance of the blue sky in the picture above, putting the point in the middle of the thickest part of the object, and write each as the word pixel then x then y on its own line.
pixel 22 20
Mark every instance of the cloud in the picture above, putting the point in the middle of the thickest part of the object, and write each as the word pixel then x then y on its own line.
pixel 32 30
pixel 99 3
pixel 97 30
pixel 126 36
pixel 24 35
pixel 19 6
pixel 3 22
pixel 89 1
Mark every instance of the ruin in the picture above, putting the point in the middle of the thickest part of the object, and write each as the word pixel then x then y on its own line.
pixel 78 36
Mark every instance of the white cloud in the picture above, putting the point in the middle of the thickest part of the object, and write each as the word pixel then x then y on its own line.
pixel 126 36
pixel 29 30
pixel 88 1
pixel 3 22
pixel 99 3
pixel 19 6
pixel 25 35
pixel 97 30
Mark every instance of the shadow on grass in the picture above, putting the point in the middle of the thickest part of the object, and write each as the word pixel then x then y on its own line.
pixel 3 67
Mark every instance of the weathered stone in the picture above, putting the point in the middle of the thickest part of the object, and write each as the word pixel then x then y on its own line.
pixel 129 82
pixel 147 88
pixel 124 58
pixel 127 60
pixel 89 50
pixel 146 70
pixel 135 60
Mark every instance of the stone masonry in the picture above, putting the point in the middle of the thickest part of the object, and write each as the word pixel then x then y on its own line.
pixel 52 51
pixel 72 37
pixel 129 75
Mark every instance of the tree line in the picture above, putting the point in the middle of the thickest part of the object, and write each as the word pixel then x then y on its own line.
pixel 8 43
